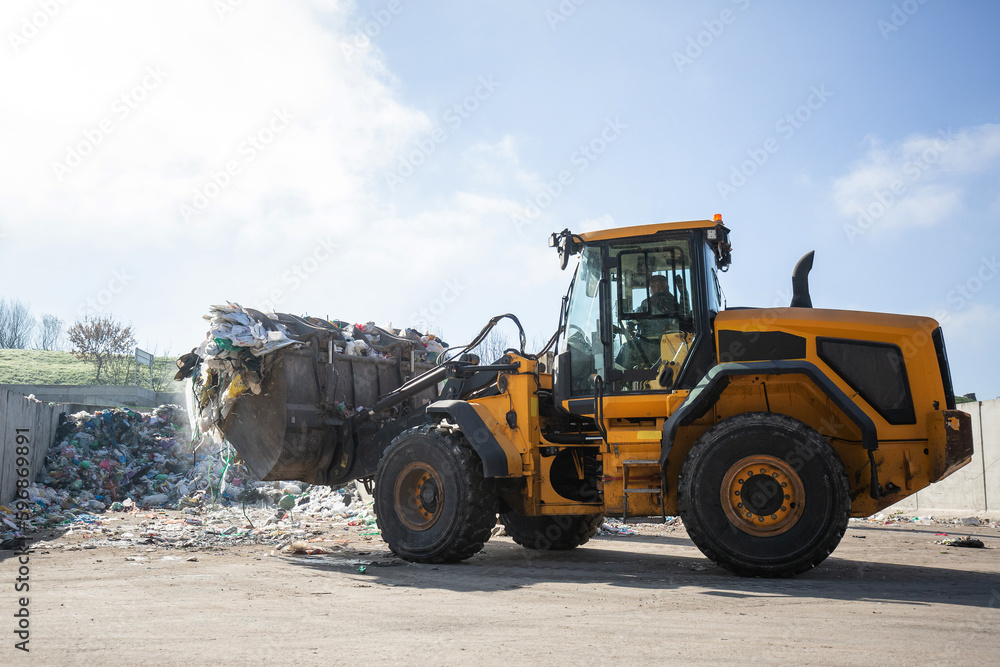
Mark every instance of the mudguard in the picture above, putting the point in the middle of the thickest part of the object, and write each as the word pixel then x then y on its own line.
pixel 704 396
pixel 499 454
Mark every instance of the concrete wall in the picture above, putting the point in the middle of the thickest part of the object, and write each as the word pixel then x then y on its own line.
pixel 35 422
pixel 976 487
pixel 97 395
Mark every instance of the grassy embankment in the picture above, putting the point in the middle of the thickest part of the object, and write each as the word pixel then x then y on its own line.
pixel 57 367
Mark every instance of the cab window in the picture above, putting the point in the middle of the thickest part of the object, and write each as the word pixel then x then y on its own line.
pixel 583 321
pixel 651 313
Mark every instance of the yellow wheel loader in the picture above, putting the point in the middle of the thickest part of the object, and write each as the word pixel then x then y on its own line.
pixel 765 429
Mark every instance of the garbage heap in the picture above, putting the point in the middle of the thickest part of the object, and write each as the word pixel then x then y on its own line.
pixel 124 460
pixel 102 458
pixel 114 459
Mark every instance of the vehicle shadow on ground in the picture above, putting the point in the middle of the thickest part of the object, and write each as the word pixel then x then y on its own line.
pixel 504 566
pixel 12 547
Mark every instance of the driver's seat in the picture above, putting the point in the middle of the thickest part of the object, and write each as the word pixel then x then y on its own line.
pixel 674 348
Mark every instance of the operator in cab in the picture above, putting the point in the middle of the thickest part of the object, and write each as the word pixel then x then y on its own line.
pixel 643 351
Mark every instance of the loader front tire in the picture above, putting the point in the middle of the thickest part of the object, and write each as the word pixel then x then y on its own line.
pixel 551 533
pixel 765 495
pixel 432 502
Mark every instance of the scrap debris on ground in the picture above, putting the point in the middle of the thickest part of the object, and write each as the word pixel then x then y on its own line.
pixel 130 478
pixel 901 517
pixel 967 542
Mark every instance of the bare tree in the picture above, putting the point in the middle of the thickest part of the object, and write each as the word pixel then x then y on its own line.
pixel 163 371
pixel 120 368
pixel 492 348
pixel 538 341
pixel 16 324
pixel 101 341
pixel 50 332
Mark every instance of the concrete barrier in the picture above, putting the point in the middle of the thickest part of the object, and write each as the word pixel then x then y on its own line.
pixel 975 489
pixel 108 396
pixel 28 426
pixel 990 420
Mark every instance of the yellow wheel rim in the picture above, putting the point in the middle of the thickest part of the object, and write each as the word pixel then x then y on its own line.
pixel 419 496
pixel 763 495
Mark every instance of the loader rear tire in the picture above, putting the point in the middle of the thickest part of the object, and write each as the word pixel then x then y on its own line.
pixel 432 502
pixel 763 494
pixel 551 533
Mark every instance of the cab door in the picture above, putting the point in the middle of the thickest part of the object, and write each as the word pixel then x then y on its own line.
pixel 653 314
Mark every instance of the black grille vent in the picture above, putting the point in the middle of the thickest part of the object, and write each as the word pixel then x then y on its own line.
pixel 876 371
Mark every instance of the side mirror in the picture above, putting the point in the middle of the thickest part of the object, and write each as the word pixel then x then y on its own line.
pixel 563 242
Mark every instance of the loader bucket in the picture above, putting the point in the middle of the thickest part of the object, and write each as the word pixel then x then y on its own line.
pixel 304 424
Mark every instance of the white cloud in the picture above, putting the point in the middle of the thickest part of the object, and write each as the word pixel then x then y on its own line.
pixel 304 226
pixel 494 163
pixel 219 82
pixel 919 181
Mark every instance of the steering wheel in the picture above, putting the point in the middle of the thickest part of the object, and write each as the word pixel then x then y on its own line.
pixel 636 345
pixel 629 336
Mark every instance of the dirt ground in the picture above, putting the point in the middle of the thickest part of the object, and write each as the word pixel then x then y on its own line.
pixel 888 595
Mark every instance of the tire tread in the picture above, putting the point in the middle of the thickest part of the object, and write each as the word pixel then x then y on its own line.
pixel 528 531
pixel 477 511
pixel 703 448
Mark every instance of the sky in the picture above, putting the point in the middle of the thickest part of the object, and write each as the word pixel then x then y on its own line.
pixel 400 162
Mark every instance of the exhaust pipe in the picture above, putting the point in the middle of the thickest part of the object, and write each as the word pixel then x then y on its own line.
pixel 800 282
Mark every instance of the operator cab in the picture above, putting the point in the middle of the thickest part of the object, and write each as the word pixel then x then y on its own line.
pixel 639 311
